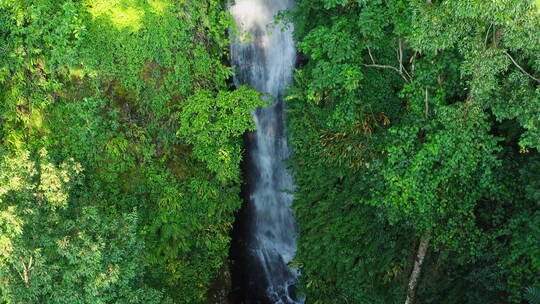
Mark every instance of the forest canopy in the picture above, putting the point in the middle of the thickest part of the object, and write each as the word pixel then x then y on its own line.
pixel 414 127
pixel 119 152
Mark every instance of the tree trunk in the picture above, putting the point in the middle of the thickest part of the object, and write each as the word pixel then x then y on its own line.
pixel 415 274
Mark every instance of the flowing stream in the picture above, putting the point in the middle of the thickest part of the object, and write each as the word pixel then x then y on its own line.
pixel 264 55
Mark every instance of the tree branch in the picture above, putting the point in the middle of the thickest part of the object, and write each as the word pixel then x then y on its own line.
pixel 519 67
pixel 426 105
pixel 382 66
pixel 401 70
pixel 487 34
pixel 400 56
pixel 415 274
pixel 370 56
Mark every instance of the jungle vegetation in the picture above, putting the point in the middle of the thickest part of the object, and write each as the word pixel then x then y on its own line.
pixel 416 130
pixel 414 124
pixel 120 150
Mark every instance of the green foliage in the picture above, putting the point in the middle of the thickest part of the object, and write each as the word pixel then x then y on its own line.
pixel 214 126
pixel 56 250
pixel 108 84
pixel 406 117
pixel 417 117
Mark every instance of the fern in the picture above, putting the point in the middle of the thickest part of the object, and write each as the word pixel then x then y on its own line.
pixel 532 295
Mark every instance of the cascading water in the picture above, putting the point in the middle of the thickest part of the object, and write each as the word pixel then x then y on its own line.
pixel 264 55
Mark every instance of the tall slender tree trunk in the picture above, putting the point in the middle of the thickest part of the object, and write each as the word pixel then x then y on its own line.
pixel 415 274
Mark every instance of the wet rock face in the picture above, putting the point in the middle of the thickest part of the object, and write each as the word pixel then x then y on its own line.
pixel 221 287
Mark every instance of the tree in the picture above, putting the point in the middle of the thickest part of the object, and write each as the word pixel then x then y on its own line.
pixel 425 124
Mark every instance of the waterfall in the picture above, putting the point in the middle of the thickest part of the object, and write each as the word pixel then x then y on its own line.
pixel 263 54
